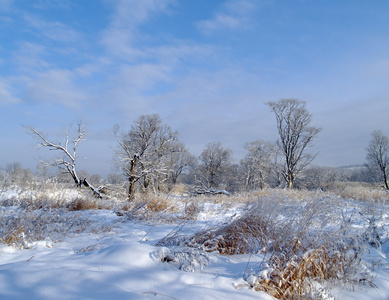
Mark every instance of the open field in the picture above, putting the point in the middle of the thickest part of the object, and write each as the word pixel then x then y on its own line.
pixel 65 244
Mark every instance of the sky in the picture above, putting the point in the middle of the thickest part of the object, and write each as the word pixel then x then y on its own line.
pixel 206 67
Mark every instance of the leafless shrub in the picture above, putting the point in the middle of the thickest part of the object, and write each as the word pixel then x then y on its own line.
pixel 82 204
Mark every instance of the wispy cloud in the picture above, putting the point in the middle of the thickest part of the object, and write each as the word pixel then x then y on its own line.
pixel 30 57
pixel 6 96
pixel 55 31
pixel 5 5
pixel 56 87
pixel 179 51
pixel 232 15
pixel 119 36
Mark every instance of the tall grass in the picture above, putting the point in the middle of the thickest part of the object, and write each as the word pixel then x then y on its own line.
pixel 21 229
pixel 310 237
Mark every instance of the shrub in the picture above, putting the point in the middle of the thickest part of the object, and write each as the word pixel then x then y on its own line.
pixel 157 204
pixel 244 235
pixel 82 204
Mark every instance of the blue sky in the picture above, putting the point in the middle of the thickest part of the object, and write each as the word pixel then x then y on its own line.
pixel 206 67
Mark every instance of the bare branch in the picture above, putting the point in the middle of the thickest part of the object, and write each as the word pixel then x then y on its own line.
pixel 295 135
pixel 68 161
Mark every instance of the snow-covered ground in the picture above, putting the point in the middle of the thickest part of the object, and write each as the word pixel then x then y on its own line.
pixel 117 258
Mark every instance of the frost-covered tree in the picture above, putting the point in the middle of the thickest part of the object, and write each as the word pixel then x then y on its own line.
pixel 144 151
pixel 214 162
pixel 296 135
pixel 378 156
pixel 16 174
pixel 260 164
pixel 14 171
pixel 179 161
pixel 67 161
pixel 114 178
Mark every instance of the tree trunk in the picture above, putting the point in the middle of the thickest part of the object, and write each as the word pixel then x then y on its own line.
pixel 132 179
pixel 131 189
pixel 290 180
pixel 93 189
pixel 385 180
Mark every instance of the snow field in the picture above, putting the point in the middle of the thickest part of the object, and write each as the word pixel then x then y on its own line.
pixel 143 253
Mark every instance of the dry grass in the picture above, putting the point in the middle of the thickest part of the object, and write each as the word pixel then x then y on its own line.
pixel 13 235
pixel 365 194
pixel 21 228
pixel 82 204
pixel 292 278
pixel 244 235
pixel 302 231
pixel 307 234
pixel 158 204
pixel 191 211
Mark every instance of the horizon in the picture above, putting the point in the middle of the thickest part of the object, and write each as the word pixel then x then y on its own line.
pixel 206 67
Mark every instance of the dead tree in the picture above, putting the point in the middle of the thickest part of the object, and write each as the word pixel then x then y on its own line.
pixel 69 154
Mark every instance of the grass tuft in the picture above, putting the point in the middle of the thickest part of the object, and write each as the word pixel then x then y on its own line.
pixel 82 204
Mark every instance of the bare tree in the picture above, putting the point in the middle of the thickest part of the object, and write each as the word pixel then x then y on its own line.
pixel 113 178
pixel 42 170
pixel 214 161
pixel 14 171
pixel 68 149
pixel 296 135
pixel 259 164
pixel 179 162
pixel 143 152
pixel 378 156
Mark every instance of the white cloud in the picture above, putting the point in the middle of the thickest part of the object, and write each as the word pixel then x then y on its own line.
pixel 56 87
pixel 119 37
pixel 181 50
pixel 219 22
pixel 30 56
pixel 134 12
pixel 5 5
pixel 53 30
pixel 6 96
pixel 232 15
pixel 132 87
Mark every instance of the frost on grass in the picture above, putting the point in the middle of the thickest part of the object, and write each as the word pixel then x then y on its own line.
pixel 187 259
pixel 21 229
pixel 305 239
pixel 309 241
pixel 47 211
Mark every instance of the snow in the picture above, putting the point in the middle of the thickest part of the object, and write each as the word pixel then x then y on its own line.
pixel 123 262
pixel 115 265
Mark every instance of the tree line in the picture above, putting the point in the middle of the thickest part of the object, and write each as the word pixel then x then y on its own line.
pixel 150 156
